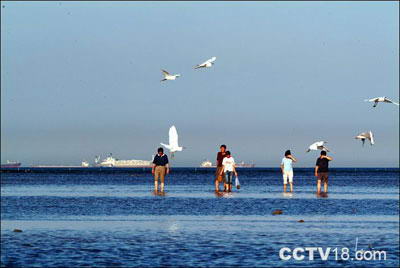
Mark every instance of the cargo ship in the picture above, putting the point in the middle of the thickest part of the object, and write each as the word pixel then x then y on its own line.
pixel 209 164
pixel 110 161
pixel 11 164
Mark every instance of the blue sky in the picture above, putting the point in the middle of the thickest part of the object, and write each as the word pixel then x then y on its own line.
pixel 83 78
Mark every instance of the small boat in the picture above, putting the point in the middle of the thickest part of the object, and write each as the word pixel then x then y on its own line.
pixel 244 165
pixel 206 164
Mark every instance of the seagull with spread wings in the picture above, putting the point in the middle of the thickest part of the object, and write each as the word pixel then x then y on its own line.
pixel 319 145
pixel 366 135
pixel 207 64
pixel 381 99
pixel 168 76
pixel 173 142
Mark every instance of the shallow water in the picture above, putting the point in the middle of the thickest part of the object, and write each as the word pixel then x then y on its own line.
pixel 113 219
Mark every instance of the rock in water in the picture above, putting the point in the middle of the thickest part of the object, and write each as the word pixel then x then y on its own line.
pixel 277 212
pixel 300 221
pixel 17 231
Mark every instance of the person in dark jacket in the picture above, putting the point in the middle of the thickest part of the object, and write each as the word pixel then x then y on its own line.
pixel 321 171
pixel 160 168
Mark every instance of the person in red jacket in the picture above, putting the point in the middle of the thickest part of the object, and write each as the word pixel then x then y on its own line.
pixel 218 177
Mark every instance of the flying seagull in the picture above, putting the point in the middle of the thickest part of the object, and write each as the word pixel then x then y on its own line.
pixel 366 135
pixel 319 145
pixel 168 76
pixel 380 99
pixel 173 142
pixel 207 64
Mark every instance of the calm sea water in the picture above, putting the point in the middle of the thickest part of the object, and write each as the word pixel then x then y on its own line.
pixel 113 219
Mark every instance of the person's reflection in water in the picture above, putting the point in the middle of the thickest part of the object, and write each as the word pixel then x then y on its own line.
pixel 219 194
pixel 322 195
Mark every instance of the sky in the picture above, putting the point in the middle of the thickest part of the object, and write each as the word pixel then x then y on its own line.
pixel 81 79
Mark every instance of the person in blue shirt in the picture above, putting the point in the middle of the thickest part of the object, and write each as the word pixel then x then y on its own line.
pixel 287 170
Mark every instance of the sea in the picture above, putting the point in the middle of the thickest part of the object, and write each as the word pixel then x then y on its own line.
pixel 111 217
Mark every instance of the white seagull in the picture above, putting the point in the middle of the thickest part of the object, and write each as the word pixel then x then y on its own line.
pixel 173 142
pixel 366 135
pixel 319 145
pixel 168 76
pixel 380 99
pixel 207 64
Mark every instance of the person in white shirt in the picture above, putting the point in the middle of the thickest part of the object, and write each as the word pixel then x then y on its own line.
pixel 229 169
pixel 287 170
